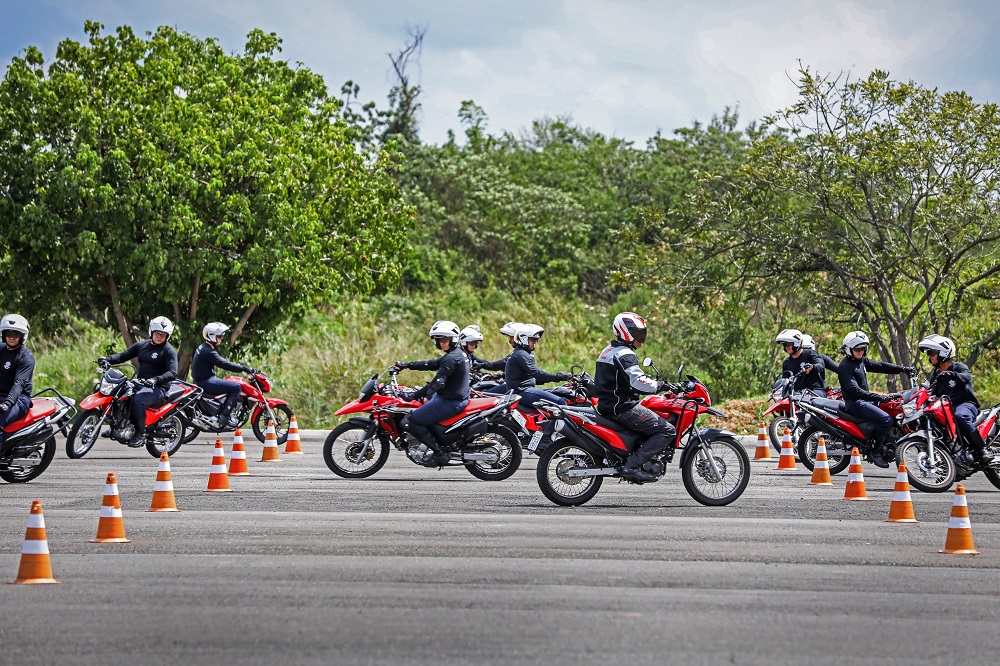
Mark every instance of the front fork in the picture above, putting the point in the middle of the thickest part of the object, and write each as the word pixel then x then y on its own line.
pixel 705 449
pixel 930 446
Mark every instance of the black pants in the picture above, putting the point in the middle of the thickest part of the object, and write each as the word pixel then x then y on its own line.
pixel 659 433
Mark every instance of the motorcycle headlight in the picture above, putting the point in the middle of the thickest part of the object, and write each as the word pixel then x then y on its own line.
pixel 106 387
pixel 909 409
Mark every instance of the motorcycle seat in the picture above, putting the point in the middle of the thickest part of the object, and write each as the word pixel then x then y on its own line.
pixel 628 436
pixel 40 408
pixel 838 406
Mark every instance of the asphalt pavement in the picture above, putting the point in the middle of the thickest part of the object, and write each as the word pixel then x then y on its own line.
pixel 422 566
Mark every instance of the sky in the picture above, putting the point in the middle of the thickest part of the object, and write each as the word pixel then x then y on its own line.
pixel 626 68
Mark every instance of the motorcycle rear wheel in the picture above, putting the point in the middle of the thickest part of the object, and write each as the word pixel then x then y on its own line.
pixel 44 457
pixel 936 477
pixel 809 442
pixel 167 436
pixel 507 446
pixel 83 435
pixel 551 474
pixel 342 452
pixel 699 479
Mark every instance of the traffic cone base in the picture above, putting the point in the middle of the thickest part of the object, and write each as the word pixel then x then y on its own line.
pixel 218 479
pixel 821 466
pixel 959 538
pixel 110 527
pixel 163 490
pixel 270 453
pixel 855 488
pixel 787 458
pixel 763 450
pixel 293 443
pixel 35 567
pixel 238 458
pixel 901 509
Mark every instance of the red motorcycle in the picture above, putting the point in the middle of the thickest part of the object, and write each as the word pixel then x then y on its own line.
pixel 935 452
pixel 482 437
pixel 579 448
pixel 841 432
pixel 31 440
pixel 251 406
pixel 785 407
pixel 110 405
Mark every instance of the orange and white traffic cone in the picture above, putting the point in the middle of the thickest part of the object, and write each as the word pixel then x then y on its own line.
pixel 163 491
pixel 821 466
pixel 270 453
pixel 110 526
pixel 855 489
pixel 292 443
pixel 763 451
pixel 218 479
pixel 959 539
pixel 787 459
pixel 35 567
pixel 901 509
pixel 238 458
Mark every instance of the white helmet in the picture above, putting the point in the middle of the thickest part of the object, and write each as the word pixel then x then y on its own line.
pixel 945 347
pixel 808 342
pixel 853 340
pixel 445 329
pixel 162 325
pixel 510 328
pixel 213 332
pixel 526 332
pixel 470 334
pixel 790 336
pixel 629 327
pixel 15 322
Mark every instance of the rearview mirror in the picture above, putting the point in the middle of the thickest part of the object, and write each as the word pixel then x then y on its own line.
pixel 646 362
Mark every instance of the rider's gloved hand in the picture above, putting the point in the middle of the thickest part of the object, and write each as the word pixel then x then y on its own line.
pixel 947 374
pixel 564 376
pixel 149 383
pixel 807 367
pixel 667 386
pixel 4 408
pixel 890 397
pixel 400 365
pixel 910 370
pixel 249 370
pixel 103 361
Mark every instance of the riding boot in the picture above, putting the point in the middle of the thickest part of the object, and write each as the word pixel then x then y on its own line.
pixel 138 437
pixel 878 446
pixel 978 446
pixel 632 469
pixel 222 419
pixel 441 457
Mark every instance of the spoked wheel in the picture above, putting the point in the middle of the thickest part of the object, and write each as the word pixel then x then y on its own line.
pixel 282 419
pixel 191 431
pixel 723 483
pixel 776 428
pixel 83 434
pixel 502 442
pixel 38 459
pixel 809 443
pixel 167 436
pixel 348 454
pixel 927 475
pixel 555 484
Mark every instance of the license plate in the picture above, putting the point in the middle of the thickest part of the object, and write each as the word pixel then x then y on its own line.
pixel 521 421
pixel 535 439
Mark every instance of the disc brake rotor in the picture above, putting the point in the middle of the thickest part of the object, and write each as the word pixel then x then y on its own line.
pixel 354 452
pixel 705 470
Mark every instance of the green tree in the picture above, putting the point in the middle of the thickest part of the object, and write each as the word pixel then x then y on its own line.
pixel 161 175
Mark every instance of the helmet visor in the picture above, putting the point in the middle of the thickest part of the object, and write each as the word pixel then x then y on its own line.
pixel 861 347
pixel 639 334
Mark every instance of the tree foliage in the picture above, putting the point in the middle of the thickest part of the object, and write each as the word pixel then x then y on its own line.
pixel 160 175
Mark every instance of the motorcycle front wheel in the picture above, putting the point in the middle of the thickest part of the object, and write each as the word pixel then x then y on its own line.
pixel 555 461
pixel 83 434
pixel 701 480
pixel 40 459
pixel 349 455
pixel 809 443
pixel 926 475
pixel 776 429
pixel 282 419
pixel 506 445
pixel 166 436
pixel 191 431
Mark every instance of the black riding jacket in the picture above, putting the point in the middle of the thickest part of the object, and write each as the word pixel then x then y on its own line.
pixel 521 373
pixel 957 388
pixel 815 379
pixel 16 369
pixel 619 379
pixel 452 379
pixel 853 376
pixel 206 360
pixel 156 362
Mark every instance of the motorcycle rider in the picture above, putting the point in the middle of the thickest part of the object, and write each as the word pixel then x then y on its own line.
pixel 620 382
pixel 953 379
pixel 829 363
pixel 862 403
pixel 206 360
pixel 510 330
pixel 449 390
pixel 157 368
pixel 17 366
pixel 521 374
pixel 801 359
